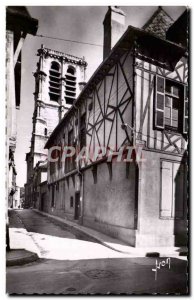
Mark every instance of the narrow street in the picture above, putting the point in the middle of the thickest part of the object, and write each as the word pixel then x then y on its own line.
pixel 70 264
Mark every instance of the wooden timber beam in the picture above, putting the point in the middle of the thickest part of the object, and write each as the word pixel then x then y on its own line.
pixel 19 48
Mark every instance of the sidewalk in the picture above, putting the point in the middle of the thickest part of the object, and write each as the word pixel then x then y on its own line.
pixel 23 250
pixel 116 244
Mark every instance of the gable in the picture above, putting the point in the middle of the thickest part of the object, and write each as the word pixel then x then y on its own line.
pixel 159 23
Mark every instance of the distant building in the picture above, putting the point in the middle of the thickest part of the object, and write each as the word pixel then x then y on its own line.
pixel 59 78
pixel 136 98
pixel 16 198
pixel 22 196
pixel 19 23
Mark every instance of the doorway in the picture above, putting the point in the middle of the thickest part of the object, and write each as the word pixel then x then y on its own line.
pixel 42 202
pixel 77 205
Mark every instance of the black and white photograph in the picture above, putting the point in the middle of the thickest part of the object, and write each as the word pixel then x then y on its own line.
pixel 97 150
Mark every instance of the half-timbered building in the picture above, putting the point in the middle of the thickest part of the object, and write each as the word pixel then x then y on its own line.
pixel 138 98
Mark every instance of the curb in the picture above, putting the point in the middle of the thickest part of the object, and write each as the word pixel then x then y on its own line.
pixel 36 248
pixel 27 257
pixel 143 253
pixel 26 250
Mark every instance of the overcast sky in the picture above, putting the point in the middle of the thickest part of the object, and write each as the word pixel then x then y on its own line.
pixel 75 23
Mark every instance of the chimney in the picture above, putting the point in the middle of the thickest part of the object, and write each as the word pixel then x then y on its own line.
pixel 114 27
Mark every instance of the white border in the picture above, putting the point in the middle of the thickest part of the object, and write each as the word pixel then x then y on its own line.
pixel 2 89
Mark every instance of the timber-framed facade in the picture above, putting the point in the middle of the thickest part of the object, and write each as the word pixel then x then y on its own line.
pixel 142 203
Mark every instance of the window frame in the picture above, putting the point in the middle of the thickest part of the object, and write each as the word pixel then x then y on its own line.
pixel 54 81
pixel 172 96
pixel 70 163
pixel 156 109
pixel 181 108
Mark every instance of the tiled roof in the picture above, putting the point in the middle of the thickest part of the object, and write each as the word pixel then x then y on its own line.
pixel 179 31
pixel 159 23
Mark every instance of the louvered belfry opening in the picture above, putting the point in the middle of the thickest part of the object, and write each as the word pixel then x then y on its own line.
pixel 54 81
pixel 70 86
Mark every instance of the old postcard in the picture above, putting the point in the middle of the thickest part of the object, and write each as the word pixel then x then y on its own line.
pixel 97 150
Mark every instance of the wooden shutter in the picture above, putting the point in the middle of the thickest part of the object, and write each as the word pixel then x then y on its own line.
pixel 166 200
pixel 159 102
pixel 185 115
pixel 173 189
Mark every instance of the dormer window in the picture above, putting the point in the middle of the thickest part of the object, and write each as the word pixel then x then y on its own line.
pixel 54 81
pixel 70 86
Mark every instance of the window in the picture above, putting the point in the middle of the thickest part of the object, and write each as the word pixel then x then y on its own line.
pixel 172 104
pixel 173 189
pixel 59 153
pixel 71 70
pixel 54 81
pixel 83 131
pixel 70 85
pixel 71 201
pixel 45 131
pixel 54 155
pixel 169 104
pixel 70 161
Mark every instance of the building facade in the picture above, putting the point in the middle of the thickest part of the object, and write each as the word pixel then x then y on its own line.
pixel 16 199
pixel 137 98
pixel 59 78
pixel 19 23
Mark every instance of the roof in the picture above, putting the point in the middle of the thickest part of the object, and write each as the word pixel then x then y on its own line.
pixel 19 17
pixel 159 23
pixel 179 31
pixel 162 53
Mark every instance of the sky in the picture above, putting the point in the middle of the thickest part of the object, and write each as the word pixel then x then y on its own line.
pixel 80 23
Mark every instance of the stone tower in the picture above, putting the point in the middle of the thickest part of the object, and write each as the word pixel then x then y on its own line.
pixel 59 78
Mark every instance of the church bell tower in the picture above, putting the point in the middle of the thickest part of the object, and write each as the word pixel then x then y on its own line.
pixel 59 78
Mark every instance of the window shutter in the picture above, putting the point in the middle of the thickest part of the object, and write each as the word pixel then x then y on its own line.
pixel 166 190
pixel 173 190
pixel 159 102
pixel 185 115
